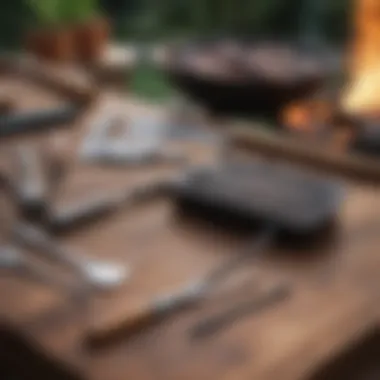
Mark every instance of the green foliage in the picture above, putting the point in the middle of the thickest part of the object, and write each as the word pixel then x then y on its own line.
pixel 150 83
pixel 47 12
pixel 160 19
pixel 15 17
pixel 53 12
pixel 78 10
pixel 69 10
pixel 282 18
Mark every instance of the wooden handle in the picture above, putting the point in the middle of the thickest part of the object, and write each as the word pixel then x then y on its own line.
pixel 139 316
pixel 124 323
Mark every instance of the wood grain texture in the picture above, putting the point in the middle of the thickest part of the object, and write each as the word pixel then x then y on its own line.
pixel 72 83
pixel 335 284
pixel 318 156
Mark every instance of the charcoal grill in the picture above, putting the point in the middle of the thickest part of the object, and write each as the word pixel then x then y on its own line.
pixel 248 78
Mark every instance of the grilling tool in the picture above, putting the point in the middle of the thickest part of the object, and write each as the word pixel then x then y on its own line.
pixel 31 121
pixel 30 184
pixel 246 191
pixel 148 313
pixel 36 177
pixel 99 206
pixel 12 259
pixel 212 325
pixel 99 275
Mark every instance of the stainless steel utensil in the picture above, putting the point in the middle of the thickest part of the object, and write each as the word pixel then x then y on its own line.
pixel 13 260
pixel 148 313
pixel 100 275
pixel 234 313
pixel 30 184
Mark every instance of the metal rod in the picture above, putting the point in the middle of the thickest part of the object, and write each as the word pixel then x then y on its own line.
pixel 98 274
pixel 30 184
pixel 227 318
pixel 91 209
pixel 32 121
pixel 148 313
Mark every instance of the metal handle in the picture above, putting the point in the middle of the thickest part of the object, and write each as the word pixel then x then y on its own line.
pixel 37 120
pixel 82 211
pixel 226 318
pixel 147 313
pixel 30 184
pixel 35 238
pixel 99 206
pixel 252 250
pixel 100 275
pixel 11 258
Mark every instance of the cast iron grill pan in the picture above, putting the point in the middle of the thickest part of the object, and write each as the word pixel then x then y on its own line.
pixel 258 193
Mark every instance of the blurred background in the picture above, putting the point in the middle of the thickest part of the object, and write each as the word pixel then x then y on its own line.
pixel 148 21
pixel 155 20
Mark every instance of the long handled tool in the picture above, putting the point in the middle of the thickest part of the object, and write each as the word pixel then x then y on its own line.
pixel 222 320
pixel 32 121
pixel 280 198
pixel 12 259
pixel 99 206
pixel 161 306
pixel 30 182
pixel 100 275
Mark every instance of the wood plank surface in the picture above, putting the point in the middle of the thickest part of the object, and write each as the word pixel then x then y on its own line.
pixel 319 156
pixel 335 285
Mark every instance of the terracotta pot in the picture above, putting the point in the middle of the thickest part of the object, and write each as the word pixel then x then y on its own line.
pixel 91 39
pixel 52 44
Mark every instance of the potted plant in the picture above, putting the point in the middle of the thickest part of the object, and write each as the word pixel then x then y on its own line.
pixel 52 40
pixel 92 30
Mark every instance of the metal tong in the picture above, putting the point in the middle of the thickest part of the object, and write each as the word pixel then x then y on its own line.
pixel 93 208
pixel 14 260
pixel 97 274
pixel 146 314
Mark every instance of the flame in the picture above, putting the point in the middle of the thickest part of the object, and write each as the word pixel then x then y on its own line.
pixel 307 115
pixel 314 117
pixel 362 95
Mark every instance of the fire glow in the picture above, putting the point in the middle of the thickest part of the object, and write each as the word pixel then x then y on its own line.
pixel 307 115
pixel 362 95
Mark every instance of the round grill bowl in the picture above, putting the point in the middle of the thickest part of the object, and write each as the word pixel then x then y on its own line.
pixel 246 86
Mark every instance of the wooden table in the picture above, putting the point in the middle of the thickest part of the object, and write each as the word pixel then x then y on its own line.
pixel 333 305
